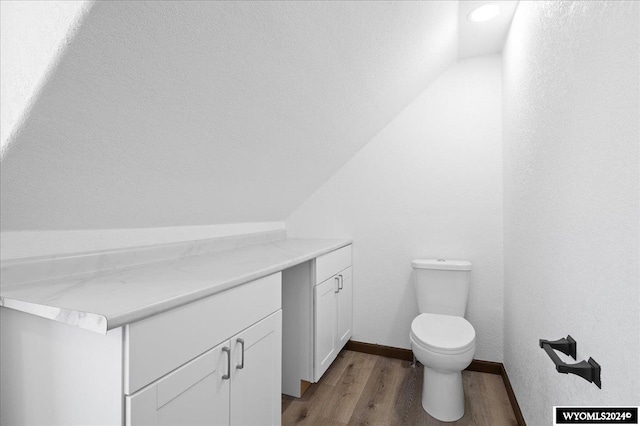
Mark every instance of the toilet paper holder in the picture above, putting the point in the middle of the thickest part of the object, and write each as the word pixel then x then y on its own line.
pixel 588 370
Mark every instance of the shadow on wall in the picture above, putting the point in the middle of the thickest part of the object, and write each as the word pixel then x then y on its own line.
pixel 168 113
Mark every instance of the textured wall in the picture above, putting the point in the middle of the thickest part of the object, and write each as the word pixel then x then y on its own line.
pixel 195 113
pixel 571 138
pixel 429 185
pixel 33 34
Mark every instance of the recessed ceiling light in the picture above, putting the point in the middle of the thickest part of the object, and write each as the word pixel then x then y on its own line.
pixel 484 12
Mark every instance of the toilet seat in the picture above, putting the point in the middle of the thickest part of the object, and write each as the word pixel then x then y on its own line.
pixel 444 334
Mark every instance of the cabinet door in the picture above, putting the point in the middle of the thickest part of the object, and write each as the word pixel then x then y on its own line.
pixel 256 373
pixel 195 394
pixel 325 316
pixel 345 308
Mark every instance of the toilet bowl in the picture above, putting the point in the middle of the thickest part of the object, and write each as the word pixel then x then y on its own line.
pixel 444 345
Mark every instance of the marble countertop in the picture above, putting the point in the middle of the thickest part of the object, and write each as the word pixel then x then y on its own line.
pixel 103 300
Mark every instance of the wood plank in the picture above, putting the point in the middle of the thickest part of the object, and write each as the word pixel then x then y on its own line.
pixel 315 420
pixel 377 404
pixel 391 395
pixel 335 396
pixel 334 373
pixel 475 409
pixel 495 396
pixel 286 401
pixel 490 367
pixel 410 401
pixel 297 410
pixel 341 400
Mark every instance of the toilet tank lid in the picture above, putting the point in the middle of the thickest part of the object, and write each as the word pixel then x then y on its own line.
pixel 443 264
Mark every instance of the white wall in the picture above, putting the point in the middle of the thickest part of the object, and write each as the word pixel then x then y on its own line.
pixel 571 138
pixel 163 114
pixel 429 185
pixel 33 35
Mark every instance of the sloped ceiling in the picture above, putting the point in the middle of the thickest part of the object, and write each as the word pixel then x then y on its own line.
pixel 483 38
pixel 171 113
pixel 32 36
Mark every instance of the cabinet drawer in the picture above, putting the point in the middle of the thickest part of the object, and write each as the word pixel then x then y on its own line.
pixel 159 344
pixel 330 264
pixel 198 385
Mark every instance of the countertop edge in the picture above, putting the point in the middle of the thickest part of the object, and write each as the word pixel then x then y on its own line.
pixel 119 321
pixel 85 320
pixel 100 323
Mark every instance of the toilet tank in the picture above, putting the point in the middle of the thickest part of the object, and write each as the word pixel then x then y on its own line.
pixel 442 286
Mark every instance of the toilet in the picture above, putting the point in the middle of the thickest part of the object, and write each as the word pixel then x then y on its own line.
pixel 441 339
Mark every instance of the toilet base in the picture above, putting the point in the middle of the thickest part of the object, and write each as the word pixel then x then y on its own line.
pixel 442 394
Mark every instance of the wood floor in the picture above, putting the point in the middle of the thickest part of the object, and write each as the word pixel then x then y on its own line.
pixel 363 389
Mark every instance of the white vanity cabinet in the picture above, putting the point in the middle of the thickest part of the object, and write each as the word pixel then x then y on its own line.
pixel 317 300
pixel 325 326
pixel 237 383
pixel 240 376
pixel 333 307
pixel 215 361
pixel 207 339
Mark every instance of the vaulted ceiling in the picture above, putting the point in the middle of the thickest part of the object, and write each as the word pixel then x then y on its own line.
pixel 188 113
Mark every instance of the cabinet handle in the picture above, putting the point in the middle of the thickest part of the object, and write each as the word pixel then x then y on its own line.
pixel 228 375
pixel 241 365
pixel 341 285
pixel 338 280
